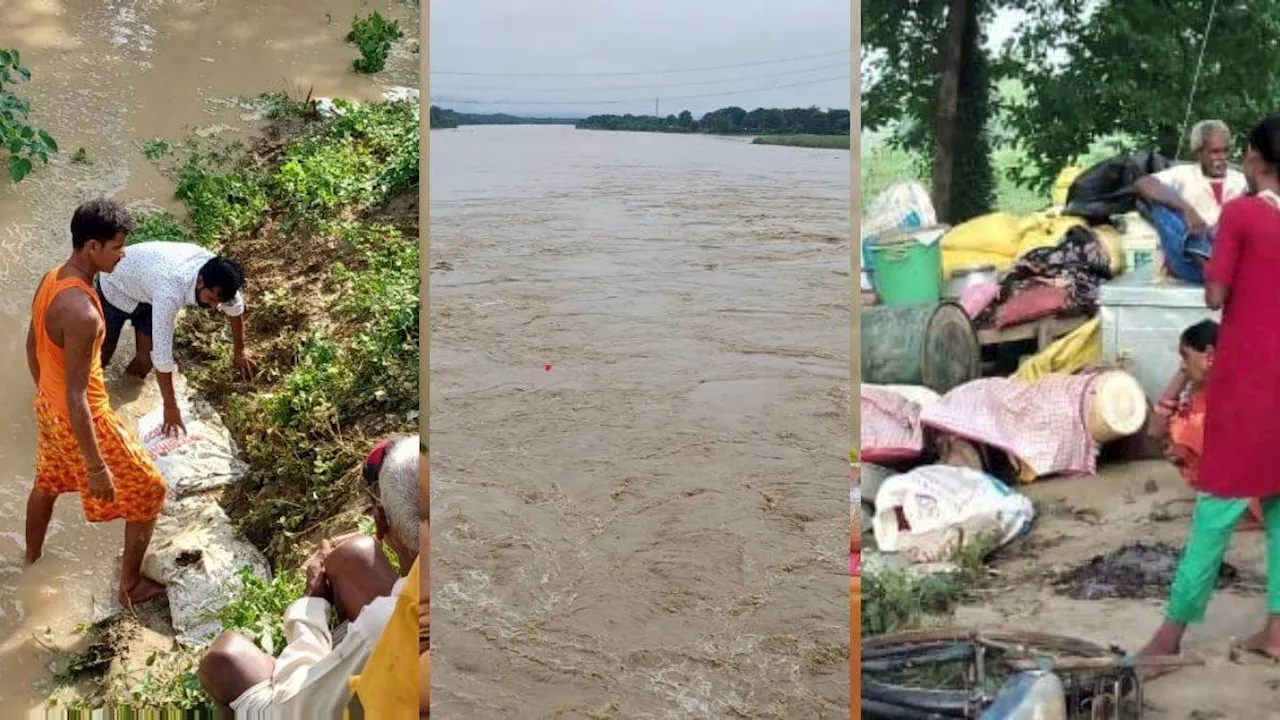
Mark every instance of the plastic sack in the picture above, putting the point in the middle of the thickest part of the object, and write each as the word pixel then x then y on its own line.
pixel 202 459
pixel 1062 185
pixel 932 512
pixel 1109 237
pixel 1074 351
pixel 996 233
pixel 902 206
pixel 1106 189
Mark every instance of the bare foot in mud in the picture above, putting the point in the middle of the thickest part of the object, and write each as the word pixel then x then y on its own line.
pixel 135 369
pixel 1166 643
pixel 31 559
pixel 1263 647
pixel 140 592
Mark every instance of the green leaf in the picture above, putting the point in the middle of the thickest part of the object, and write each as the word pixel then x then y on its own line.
pixel 19 167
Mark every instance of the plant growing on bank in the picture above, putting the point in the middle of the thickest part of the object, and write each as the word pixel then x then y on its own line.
pixel 373 37
pixel 257 608
pixel 24 141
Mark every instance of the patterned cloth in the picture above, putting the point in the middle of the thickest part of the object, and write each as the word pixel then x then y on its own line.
pixel 1080 263
pixel 890 426
pixel 60 467
pixel 1041 423
pixel 163 275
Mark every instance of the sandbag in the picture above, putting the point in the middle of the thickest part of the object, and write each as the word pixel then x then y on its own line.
pixel 995 233
pixel 202 459
pixel 196 553
pixel 946 509
pixel 1106 189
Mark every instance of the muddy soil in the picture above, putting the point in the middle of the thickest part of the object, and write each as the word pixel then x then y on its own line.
pixel 1137 571
pixel 1083 518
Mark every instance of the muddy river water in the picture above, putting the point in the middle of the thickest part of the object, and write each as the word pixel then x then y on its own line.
pixel 108 74
pixel 640 422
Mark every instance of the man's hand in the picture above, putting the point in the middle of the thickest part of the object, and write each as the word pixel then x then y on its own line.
pixel 173 425
pixel 317 581
pixel 1195 223
pixel 245 364
pixel 102 484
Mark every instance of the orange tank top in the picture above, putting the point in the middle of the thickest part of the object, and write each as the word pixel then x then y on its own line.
pixel 53 367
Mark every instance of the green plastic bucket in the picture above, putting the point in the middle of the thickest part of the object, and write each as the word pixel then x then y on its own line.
pixel 908 267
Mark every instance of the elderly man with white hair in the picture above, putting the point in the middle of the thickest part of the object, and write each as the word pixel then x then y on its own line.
pixel 1186 200
pixel 311 678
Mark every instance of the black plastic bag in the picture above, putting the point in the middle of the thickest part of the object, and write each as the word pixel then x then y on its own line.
pixel 1106 189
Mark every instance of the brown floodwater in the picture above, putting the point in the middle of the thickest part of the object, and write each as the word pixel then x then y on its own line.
pixel 107 75
pixel 640 422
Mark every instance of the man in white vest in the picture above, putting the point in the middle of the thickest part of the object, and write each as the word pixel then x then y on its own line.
pixel 1186 200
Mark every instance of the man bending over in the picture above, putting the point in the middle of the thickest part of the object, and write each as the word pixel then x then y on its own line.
pixel 149 287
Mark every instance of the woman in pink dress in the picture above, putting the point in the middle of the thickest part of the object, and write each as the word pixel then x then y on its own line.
pixel 1242 404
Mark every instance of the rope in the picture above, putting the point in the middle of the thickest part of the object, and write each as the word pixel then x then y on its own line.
pixel 1195 80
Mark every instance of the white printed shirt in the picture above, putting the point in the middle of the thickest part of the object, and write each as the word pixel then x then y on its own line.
pixel 162 274
pixel 312 675
pixel 1190 183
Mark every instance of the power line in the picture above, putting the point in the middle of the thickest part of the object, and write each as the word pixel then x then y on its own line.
pixel 647 87
pixel 462 101
pixel 647 72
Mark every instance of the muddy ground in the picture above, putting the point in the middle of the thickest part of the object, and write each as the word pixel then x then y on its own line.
pixel 1084 517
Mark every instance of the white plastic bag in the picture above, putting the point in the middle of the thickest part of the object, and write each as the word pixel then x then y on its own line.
pixel 902 206
pixel 932 512
pixel 202 459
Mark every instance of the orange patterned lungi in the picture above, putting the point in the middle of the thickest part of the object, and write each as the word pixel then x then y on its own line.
pixel 60 468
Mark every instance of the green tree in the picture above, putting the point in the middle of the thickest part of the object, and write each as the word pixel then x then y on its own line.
pixel 24 142
pixel 924 69
pixel 1129 73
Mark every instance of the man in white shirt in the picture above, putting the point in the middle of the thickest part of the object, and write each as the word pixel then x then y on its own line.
pixel 1186 200
pixel 310 678
pixel 150 286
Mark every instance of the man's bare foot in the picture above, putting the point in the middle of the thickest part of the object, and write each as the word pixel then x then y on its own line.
pixel 135 369
pixel 31 558
pixel 144 590
pixel 1167 642
pixel 1259 647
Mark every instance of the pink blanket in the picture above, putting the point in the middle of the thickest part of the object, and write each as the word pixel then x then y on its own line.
pixel 1040 423
pixel 890 426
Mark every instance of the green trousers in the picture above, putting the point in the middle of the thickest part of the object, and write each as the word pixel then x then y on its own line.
pixel 1213 520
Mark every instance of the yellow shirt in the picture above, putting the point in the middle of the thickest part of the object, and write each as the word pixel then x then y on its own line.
pixel 388 685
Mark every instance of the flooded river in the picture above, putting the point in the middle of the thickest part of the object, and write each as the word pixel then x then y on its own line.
pixel 108 74
pixel 640 422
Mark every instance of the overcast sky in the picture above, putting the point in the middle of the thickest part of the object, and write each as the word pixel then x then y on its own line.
pixel 497 38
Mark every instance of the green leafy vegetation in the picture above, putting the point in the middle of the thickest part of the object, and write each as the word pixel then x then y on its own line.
pixel 1064 82
pixel 373 36
pixel 827 142
pixel 155 148
pixel 157 226
pixel 24 142
pixel 901 600
pixel 257 608
pixel 333 316
pixel 731 121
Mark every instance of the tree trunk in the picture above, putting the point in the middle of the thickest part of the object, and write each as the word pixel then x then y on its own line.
pixel 944 130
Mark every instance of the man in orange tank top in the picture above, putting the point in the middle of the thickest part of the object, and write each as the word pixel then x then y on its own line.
pixel 83 446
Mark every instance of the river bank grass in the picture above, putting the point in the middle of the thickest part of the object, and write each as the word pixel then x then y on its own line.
pixel 829 142
pixel 323 215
